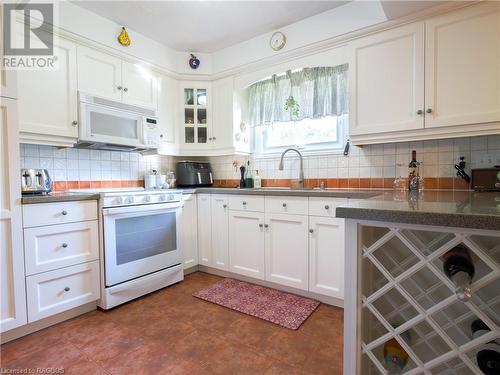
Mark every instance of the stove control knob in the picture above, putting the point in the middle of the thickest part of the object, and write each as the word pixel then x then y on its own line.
pixel 147 198
pixel 170 197
pixel 162 198
pixel 129 200
pixel 119 200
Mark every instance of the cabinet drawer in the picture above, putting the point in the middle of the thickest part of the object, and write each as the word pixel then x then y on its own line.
pixel 53 292
pixel 325 206
pixel 55 246
pixel 246 203
pixel 287 205
pixel 58 213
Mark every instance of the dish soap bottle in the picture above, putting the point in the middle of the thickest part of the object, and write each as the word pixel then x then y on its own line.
pixel 248 176
pixel 257 181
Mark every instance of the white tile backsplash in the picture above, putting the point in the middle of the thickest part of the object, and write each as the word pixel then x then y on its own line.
pixel 381 160
pixel 73 164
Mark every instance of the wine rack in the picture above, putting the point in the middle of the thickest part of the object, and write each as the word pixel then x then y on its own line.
pixel 405 295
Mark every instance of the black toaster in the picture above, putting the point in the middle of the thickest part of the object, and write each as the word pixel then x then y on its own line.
pixel 194 173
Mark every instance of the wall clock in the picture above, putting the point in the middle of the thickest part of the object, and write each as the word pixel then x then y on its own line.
pixel 277 41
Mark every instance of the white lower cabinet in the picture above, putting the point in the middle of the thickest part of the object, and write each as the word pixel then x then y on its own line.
pixel 56 291
pixel 246 243
pixel 57 246
pixel 326 256
pixel 286 248
pixel 292 241
pixel 189 230
pixel 220 234
pixel 213 231
pixel 205 229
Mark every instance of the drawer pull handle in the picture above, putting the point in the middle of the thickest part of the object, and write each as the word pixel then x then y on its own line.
pixel 244 203
pixel 64 212
pixel 67 289
pixel 224 205
pixel 65 245
pixel 284 204
pixel 327 207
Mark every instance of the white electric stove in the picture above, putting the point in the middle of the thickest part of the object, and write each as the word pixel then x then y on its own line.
pixel 140 242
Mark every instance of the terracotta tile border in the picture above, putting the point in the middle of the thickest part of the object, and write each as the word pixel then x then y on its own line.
pixel 430 183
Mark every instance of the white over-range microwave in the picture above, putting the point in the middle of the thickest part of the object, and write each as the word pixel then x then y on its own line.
pixel 110 125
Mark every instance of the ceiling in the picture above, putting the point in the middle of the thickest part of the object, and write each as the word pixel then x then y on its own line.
pixel 205 26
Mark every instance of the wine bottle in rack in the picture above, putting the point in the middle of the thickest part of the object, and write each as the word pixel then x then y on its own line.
pixel 395 357
pixel 458 266
pixel 488 355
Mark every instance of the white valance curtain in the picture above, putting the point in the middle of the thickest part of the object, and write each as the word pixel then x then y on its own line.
pixel 320 92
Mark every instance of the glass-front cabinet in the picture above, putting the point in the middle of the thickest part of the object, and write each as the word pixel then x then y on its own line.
pixel 196 125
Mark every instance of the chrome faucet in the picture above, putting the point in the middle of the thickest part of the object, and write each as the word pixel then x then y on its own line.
pixel 301 172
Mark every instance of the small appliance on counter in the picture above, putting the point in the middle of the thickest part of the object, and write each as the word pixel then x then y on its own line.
pixel 35 181
pixel 486 179
pixel 194 173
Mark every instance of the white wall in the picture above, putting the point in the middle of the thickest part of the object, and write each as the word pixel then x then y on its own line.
pixel 333 23
pixel 82 22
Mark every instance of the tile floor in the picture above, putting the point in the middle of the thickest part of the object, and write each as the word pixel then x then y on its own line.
pixel 171 332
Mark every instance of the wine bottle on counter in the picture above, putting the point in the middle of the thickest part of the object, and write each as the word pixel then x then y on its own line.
pixel 458 266
pixel 413 172
pixel 488 355
pixel 395 357
pixel 248 176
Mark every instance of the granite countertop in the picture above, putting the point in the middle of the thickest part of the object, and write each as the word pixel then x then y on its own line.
pixel 478 210
pixel 326 193
pixel 58 197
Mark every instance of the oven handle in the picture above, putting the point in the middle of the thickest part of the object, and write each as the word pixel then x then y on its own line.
pixel 141 208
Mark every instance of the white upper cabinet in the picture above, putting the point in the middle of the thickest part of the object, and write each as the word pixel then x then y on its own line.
pixel 99 74
pixel 140 86
pixel 47 99
pixel 462 67
pixel 387 81
pixel 195 118
pixel 439 78
pixel 167 114
pixel 109 77
pixel 222 104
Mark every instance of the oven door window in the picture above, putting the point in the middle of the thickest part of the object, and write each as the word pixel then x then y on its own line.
pixel 145 236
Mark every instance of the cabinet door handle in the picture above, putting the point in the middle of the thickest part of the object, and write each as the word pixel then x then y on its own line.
pixel 261 225
pixel 119 88
pixel 244 203
pixel 429 110
pixel 420 112
pixel 67 289
pixel 65 245
pixel 64 212
pixel 125 89
pixel 209 138
pixel 266 225
pixel 224 205
pixel 74 123
pixel 213 138
pixel 311 230
pixel 327 207
pixel 284 204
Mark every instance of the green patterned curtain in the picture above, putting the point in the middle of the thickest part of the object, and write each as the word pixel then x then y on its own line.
pixel 320 92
